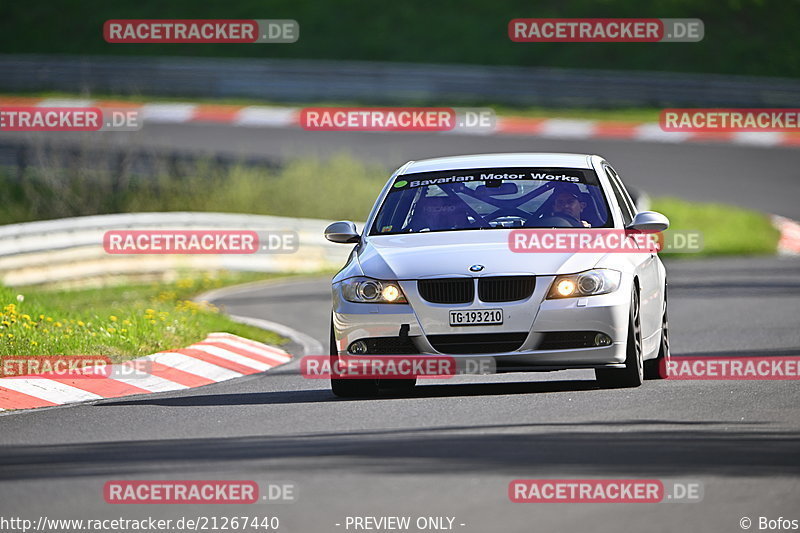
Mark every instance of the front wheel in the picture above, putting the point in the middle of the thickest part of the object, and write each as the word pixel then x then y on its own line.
pixel 652 367
pixel 633 373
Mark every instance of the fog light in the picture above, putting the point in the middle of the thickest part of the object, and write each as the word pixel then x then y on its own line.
pixel 358 348
pixel 601 339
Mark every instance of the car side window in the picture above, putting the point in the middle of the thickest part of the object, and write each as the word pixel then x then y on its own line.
pixel 624 203
pixel 625 194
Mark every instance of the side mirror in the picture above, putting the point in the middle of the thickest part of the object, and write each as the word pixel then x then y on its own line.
pixel 649 221
pixel 343 232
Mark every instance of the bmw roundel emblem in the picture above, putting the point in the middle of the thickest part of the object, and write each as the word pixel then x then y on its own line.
pixel 476 268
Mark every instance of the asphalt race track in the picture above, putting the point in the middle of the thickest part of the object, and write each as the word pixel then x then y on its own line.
pixel 452 447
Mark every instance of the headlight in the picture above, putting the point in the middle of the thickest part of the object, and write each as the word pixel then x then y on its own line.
pixel 367 290
pixel 589 283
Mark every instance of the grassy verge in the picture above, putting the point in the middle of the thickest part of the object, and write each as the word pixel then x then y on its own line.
pixel 122 322
pixel 727 230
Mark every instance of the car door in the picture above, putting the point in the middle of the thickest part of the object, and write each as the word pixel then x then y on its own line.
pixel 647 264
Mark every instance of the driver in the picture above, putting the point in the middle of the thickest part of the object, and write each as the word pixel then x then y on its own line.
pixel 568 202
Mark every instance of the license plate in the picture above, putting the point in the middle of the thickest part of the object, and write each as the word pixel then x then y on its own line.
pixel 476 317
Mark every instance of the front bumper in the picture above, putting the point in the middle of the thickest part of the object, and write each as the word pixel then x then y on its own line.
pixel 531 318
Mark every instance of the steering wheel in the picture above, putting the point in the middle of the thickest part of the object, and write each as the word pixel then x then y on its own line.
pixel 507 213
pixel 478 221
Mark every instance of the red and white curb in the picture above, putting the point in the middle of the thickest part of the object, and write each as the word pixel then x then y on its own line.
pixel 220 357
pixel 789 242
pixel 288 117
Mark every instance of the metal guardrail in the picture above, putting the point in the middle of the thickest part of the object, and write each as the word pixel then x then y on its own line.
pixel 388 83
pixel 71 250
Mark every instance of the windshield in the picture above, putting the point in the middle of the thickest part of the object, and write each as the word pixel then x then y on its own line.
pixel 493 199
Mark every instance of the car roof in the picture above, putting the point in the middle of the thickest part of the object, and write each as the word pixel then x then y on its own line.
pixel 532 159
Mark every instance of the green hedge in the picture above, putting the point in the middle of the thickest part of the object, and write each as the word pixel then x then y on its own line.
pixel 751 37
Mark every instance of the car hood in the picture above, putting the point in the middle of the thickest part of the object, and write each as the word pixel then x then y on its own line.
pixel 452 253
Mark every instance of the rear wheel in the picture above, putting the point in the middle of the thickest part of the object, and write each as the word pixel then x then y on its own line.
pixel 633 373
pixel 349 388
pixel 652 368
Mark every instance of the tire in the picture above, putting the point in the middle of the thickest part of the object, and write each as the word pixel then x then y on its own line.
pixel 349 388
pixel 652 367
pixel 633 373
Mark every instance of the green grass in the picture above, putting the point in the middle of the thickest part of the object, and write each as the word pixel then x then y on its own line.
pixel 121 322
pixel 727 230
pixel 632 114
pixel 340 187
